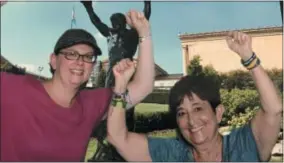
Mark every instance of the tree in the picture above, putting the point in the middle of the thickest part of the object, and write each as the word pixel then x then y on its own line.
pixel 194 68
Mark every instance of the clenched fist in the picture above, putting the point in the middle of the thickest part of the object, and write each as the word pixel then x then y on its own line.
pixel 138 21
pixel 123 72
pixel 240 43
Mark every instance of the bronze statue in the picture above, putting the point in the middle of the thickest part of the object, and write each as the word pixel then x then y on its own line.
pixel 122 42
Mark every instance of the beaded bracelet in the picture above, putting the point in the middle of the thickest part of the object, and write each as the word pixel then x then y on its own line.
pixel 253 64
pixel 247 62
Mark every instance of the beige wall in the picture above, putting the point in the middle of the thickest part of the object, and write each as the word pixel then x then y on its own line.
pixel 268 48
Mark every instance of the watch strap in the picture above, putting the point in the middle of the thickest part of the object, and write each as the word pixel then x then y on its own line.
pixel 118 102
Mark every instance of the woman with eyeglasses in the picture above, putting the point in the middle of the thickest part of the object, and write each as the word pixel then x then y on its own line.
pixel 53 120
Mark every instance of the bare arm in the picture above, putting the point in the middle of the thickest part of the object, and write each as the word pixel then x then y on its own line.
pixel 143 80
pixel 147 9
pixel 131 146
pixel 266 124
pixel 103 28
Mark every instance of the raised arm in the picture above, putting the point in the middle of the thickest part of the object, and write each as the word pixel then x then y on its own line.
pixel 143 80
pixel 102 28
pixel 147 9
pixel 131 146
pixel 266 124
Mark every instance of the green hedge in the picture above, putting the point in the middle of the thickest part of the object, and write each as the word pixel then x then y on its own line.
pixel 242 118
pixel 150 122
pixel 237 101
pixel 242 79
pixel 157 97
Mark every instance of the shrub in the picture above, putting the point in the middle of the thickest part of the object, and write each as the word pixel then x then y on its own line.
pixel 242 79
pixel 236 79
pixel 145 123
pixel 242 118
pixel 237 101
pixel 158 97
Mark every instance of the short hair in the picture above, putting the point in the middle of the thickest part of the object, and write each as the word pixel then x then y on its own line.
pixel 205 87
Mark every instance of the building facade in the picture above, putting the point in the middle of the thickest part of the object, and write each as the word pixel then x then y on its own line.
pixel 212 48
pixel 167 81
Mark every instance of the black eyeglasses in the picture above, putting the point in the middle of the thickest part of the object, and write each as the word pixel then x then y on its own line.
pixel 73 55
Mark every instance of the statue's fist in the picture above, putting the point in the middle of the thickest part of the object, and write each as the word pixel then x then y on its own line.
pixel 86 3
pixel 147 2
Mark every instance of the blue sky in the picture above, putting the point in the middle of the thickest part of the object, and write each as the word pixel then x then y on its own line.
pixel 29 30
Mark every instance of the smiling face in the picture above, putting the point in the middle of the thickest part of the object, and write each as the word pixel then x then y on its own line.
pixel 70 72
pixel 197 121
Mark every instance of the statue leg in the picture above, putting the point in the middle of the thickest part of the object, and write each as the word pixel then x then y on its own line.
pixel 109 82
pixel 106 152
pixel 108 77
pixel 130 116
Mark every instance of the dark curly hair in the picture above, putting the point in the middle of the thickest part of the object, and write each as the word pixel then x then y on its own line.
pixel 205 87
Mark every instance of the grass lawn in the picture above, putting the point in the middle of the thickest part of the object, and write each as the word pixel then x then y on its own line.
pixel 91 149
pixel 144 108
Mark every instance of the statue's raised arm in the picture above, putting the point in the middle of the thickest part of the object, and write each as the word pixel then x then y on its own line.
pixel 102 28
pixel 147 9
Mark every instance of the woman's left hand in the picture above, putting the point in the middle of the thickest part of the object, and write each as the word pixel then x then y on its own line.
pixel 240 43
